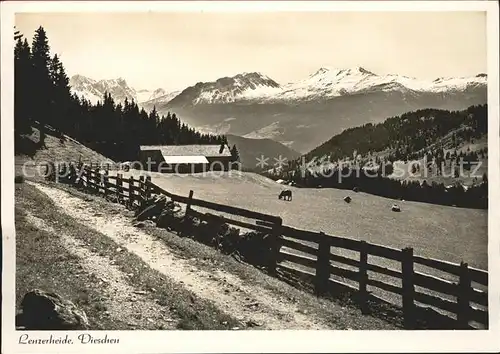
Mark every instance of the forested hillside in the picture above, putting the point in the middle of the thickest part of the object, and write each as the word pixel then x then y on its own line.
pixel 42 94
pixel 408 136
pixel 433 156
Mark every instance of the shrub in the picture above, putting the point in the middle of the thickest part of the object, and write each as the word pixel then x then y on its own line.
pixel 19 179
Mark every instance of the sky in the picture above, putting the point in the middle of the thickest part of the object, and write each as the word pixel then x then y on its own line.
pixel 177 50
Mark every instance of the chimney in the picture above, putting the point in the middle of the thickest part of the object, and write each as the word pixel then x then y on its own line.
pixel 221 148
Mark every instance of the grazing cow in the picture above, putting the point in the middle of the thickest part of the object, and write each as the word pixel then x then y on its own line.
pixel 286 194
pixel 347 199
pixel 395 208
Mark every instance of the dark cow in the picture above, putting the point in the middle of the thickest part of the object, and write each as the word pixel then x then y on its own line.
pixel 286 194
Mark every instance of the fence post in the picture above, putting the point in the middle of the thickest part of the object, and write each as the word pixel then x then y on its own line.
pixel 408 288
pixel 188 204
pixel 86 175
pixel 78 174
pixel 186 223
pixel 96 181
pixel 275 246
pixel 71 178
pixel 148 189
pixel 463 299
pixel 119 183
pixel 142 190
pixel 61 171
pixel 363 277
pixel 101 181
pixel 90 180
pixel 106 183
pixel 131 191
pixel 323 265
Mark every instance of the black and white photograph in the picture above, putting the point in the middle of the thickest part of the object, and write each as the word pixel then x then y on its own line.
pixel 234 170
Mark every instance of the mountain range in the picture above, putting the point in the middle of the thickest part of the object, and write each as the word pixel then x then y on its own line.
pixel 300 115
pixel 93 90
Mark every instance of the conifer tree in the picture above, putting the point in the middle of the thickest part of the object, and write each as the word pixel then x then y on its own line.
pixel 42 86
pixel 22 85
pixel 235 153
pixel 61 98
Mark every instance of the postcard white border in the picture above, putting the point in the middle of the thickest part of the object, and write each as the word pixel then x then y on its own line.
pixel 253 341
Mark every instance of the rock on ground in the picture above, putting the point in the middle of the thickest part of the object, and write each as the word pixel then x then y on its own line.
pixel 44 310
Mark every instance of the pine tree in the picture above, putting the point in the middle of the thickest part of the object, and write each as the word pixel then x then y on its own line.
pixel 42 86
pixel 17 34
pixel 22 86
pixel 61 99
pixel 235 153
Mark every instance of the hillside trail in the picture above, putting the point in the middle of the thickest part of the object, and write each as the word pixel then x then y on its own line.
pixel 252 305
pixel 120 300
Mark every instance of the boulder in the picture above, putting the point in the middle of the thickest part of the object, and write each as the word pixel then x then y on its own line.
pixel 230 239
pixel 152 207
pixel 43 310
pixel 171 216
pixel 395 208
pixel 347 199
pixel 256 248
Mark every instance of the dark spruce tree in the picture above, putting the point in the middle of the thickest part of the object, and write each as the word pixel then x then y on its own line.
pixel 41 81
pixel 235 153
pixel 22 86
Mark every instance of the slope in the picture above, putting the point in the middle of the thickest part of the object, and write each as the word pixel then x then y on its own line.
pixel 29 153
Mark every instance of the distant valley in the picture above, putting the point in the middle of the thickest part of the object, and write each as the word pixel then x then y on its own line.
pixel 251 150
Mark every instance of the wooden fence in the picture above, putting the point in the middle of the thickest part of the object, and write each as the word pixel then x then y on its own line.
pixel 460 298
pixel 308 255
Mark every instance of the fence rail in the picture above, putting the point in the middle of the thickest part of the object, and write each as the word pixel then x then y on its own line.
pixel 308 255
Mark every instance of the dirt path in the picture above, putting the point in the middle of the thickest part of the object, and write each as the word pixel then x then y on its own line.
pixel 252 305
pixel 121 301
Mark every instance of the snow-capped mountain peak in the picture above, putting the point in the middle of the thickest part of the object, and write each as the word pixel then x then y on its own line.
pixel 228 89
pixel 160 96
pixel 157 93
pixel 93 90
pixel 326 83
pixel 321 71
pixel 329 71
